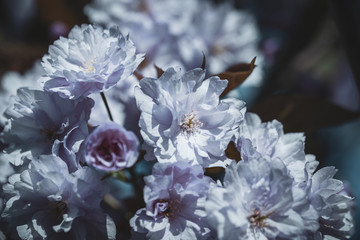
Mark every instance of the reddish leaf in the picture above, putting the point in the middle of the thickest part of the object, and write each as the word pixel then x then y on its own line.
pixel 232 153
pixel 159 71
pixel 138 75
pixel 236 75
pixel 302 113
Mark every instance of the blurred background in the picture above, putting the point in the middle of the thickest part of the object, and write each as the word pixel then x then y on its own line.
pixel 311 67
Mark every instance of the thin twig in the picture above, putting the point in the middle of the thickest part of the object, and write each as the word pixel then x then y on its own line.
pixel 106 105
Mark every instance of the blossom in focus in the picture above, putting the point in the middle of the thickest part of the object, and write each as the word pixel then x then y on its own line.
pixel 111 148
pixel 90 60
pixel 174 195
pixel 259 201
pixel 46 202
pixel 44 123
pixel 182 118
pixel 174 34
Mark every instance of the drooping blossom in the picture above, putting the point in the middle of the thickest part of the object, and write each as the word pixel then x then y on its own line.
pixel 174 195
pixel 47 202
pixel 90 60
pixel 44 123
pixel 259 201
pixel 174 34
pixel 110 147
pixel 182 118
pixel 332 203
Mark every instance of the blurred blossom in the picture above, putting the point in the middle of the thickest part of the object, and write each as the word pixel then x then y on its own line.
pixel 46 202
pixel 58 29
pixel 259 201
pixel 45 123
pixel 175 34
pixel 174 195
pixel 344 87
pixel 11 81
pixel 90 60
pixel 111 148
pixel 270 48
pixel 182 118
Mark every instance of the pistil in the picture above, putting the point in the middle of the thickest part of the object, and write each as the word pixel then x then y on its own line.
pixel 190 123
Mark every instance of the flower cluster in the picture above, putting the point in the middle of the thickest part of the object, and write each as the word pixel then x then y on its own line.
pixel 46 201
pixel 67 170
pixel 53 161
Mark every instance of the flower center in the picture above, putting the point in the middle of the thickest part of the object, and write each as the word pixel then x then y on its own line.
pixel 89 67
pixel 49 134
pixel 257 220
pixel 108 150
pixel 166 207
pixel 190 123
pixel 58 208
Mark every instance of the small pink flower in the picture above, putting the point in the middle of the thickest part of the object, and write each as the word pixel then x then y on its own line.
pixel 111 148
